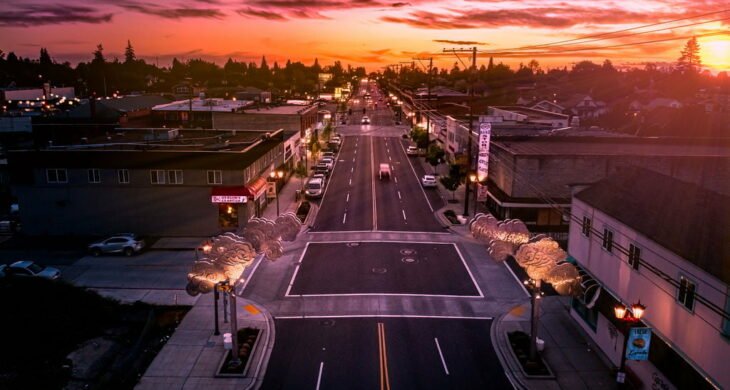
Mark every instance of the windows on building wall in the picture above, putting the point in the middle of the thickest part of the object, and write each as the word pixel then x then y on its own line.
pixel 607 243
pixel 94 176
pixel 157 176
pixel 56 175
pixel 215 177
pixel 175 177
pixel 686 295
pixel 586 228
pixel 634 256
pixel 123 176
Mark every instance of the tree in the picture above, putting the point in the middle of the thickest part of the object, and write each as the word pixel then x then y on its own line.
pixel 129 56
pixel 435 156
pixel 45 58
pixel 689 61
pixel 420 137
pixel 99 55
pixel 450 184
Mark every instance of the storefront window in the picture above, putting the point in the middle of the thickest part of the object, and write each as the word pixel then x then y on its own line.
pixel 228 216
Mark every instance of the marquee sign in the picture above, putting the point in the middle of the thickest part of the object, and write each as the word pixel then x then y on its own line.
pixel 228 199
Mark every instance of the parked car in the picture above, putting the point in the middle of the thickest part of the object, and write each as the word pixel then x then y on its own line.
pixel 428 181
pixel 412 151
pixel 126 243
pixel 321 177
pixel 365 120
pixel 322 168
pixel 336 140
pixel 28 268
pixel 328 154
pixel 330 162
pixel 314 188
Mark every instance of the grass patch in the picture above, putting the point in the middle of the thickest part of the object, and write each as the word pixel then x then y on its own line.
pixel 520 343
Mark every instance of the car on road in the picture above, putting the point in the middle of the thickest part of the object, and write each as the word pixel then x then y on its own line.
pixel 126 243
pixel 28 268
pixel 384 171
pixel 314 188
pixel 428 181
pixel 412 151
pixel 365 120
pixel 322 168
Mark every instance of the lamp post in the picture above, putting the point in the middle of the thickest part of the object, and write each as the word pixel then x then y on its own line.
pixel 474 180
pixel 629 317
pixel 276 176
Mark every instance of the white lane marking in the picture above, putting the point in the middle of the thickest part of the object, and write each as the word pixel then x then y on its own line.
pixel 386 316
pixel 404 215
pixel 440 354
pixel 353 159
pixel 352 169
pixel 348 197
pixel 344 218
pixel 350 181
pixel 395 178
pixel 469 271
pixel 417 179
pixel 372 182
pixel 319 377
pixel 296 270
pixel 399 195
pixel 390 159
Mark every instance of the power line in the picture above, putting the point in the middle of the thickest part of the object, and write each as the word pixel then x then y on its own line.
pixel 620 31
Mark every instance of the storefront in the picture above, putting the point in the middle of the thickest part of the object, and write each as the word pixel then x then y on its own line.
pixel 229 201
pixel 257 191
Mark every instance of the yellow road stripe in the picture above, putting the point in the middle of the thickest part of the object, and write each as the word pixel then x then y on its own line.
pixel 385 364
pixel 380 355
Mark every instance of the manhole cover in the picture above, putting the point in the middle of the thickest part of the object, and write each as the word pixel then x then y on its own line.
pixel 327 323
pixel 380 270
pixel 409 260
pixel 407 252
pixel 351 244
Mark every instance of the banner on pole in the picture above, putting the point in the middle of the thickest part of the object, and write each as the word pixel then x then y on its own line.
pixel 638 344
pixel 485 133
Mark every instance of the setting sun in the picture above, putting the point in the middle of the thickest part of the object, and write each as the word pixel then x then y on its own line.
pixel 716 54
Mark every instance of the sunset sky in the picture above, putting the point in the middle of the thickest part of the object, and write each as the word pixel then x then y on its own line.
pixel 372 33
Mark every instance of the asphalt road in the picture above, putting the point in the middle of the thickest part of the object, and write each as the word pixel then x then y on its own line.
pixel 382 268
pixel 385 353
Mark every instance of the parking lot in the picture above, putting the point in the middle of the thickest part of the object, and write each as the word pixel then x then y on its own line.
pixel 397 268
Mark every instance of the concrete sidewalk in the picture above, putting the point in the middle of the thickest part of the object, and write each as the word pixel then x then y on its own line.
pixel 287 198
pixel 192 356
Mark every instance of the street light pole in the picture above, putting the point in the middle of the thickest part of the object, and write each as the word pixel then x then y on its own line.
pixel 628 316
pixel 277 175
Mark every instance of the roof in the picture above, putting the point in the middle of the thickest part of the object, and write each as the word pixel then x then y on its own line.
pixel 610 146
pixel 134 103
pixel 213 105
pixel 532 113
pixel 279 110
pixel 685 218
pixel 139 158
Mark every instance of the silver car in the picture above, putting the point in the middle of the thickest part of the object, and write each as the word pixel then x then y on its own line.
pixel 127 244
pixel 28 268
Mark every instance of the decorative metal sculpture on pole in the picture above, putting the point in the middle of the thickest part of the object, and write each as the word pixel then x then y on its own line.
pixel 231 253
pixel 540 256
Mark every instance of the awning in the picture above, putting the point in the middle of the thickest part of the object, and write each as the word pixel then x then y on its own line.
pixel 232 194
pixel 256 187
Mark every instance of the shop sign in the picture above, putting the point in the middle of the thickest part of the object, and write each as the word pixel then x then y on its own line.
pixel 638 344
pixel 228 199
pixel 485 133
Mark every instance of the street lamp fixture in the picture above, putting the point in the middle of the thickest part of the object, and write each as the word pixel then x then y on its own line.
pixel 276 176
pixel 628 316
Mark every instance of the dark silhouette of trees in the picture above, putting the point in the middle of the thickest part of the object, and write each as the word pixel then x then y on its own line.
pixel 689 61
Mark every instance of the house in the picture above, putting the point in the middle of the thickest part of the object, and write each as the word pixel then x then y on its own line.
pixel 643 236
pixel 161 182
pixel 547 105
pixel 195 112
pixel 585 107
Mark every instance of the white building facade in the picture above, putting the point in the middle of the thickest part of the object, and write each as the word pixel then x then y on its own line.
pixel 645 236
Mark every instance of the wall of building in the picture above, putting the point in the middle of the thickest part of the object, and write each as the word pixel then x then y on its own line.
pixel 696 333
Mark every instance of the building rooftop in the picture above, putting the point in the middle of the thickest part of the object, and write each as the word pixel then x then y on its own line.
pixel 212 105
pixel 611 146
pixel 531 112
pixel 685 218
pixel 134 103
pixel 279 110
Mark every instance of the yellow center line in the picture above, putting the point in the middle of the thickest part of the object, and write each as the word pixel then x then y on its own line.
pixel 384 377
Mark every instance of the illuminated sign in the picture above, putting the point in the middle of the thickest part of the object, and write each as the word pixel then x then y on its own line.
pixel 485 132
pixel 228 199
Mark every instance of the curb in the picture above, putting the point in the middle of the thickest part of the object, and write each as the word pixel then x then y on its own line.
pixel 506 358
pixel 268 347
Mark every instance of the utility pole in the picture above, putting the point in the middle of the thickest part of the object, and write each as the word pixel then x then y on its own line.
pixel 470 153
pixel 428 86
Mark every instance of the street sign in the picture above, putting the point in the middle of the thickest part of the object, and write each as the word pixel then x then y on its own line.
pixel 637 347
pixel 621 377
pixel 228 199
pixel 485 133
